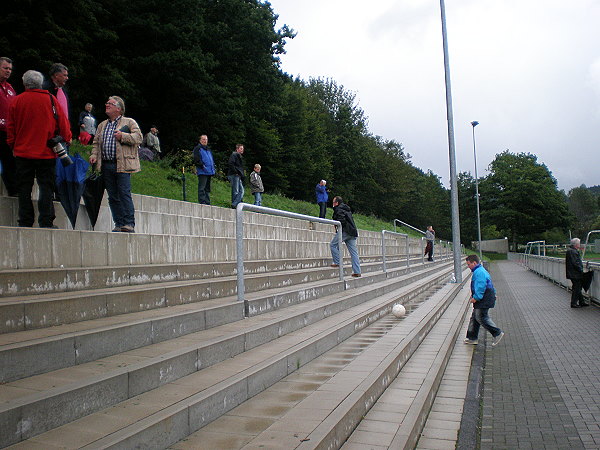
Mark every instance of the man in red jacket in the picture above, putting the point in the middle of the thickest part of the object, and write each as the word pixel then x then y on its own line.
pixel 34 118
pixel 7 94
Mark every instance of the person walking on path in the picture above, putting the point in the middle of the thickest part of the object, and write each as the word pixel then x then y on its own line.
pixel 257 185
pixel 483 297
pixel 322 197
pixel 574 269
pixel 205 169
pixel 343 213
pixel 430 237
pixel 235 174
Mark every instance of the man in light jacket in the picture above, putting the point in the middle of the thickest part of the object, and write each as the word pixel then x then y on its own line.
pixel 115 152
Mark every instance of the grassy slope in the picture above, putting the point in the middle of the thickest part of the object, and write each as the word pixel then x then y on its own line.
pixel 159 181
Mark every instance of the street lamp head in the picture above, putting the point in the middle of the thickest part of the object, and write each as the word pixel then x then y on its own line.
pixel 474 123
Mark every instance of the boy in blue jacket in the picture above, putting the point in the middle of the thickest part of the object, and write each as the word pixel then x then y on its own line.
pixel 483 297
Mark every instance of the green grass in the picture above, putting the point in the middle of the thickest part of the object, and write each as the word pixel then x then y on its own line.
pixel 157 179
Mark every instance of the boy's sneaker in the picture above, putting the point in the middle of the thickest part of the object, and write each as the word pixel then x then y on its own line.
pixel 498 338
pixel 470 341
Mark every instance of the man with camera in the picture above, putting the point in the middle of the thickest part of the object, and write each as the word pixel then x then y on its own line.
pixel 115 152
pixel 35 124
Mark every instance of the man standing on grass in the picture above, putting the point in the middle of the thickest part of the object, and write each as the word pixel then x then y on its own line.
pixel 483 297
pixel 205 169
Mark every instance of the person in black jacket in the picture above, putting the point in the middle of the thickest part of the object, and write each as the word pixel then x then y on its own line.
pixel 235 174
pixel 574 269
pixel 343 213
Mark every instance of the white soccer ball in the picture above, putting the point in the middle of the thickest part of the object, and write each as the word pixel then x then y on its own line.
pixel 398 310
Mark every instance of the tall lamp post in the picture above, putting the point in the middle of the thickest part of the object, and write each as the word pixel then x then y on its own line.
pixel 474 124
pixel 452 155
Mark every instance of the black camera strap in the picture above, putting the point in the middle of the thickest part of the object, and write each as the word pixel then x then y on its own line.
pixel 55 113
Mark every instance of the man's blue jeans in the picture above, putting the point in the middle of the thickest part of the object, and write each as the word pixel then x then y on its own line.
pixel 258 198
pixel 480 317
pixel 237 189
pixel 350 242
pixel 118 186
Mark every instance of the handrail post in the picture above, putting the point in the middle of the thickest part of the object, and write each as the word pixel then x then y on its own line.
pixel 383 247
pixel 239 247
pixel 407 253
pixel 422 251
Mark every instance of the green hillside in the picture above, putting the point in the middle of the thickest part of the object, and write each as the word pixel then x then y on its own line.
pixel 159 180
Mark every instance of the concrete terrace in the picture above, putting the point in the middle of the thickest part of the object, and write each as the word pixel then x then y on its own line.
pixel 138 341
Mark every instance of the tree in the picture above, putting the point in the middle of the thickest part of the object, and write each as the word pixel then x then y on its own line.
pixel 584 207
pixel 520 197
pixel 467 208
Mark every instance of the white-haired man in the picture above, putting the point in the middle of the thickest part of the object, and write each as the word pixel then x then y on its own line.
pixel 115 152
pixel 34 118
pixel 574 269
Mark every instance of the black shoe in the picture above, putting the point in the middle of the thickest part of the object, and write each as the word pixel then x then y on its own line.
pixel 583 305
pixel 575 306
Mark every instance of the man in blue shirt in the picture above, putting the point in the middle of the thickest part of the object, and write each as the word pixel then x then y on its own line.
pixel 483 297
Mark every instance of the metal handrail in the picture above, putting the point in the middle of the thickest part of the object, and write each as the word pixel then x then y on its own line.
pixel 586 242
pixel 239 236
pixel 406 225
pixel 383 232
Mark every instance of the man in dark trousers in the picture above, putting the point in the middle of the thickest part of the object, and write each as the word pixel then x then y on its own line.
pixel 34 118
pixel 483 297
pixel 205 169
pixel 343 213
pixel 235 174
pixel 574 268
pixel 7 94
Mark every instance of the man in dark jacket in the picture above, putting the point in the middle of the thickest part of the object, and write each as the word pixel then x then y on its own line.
pixel 483 297
pixel 59 75
pixel 574 268
pixel 235 174
pixel 343 213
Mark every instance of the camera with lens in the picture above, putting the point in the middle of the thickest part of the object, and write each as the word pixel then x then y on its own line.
pixel 57 143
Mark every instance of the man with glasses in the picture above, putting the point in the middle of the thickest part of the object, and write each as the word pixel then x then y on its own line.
pixel 115 152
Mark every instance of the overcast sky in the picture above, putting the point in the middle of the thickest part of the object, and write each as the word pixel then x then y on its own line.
pixel 527 70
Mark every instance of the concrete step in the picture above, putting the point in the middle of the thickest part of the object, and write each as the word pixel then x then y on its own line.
pixel 443 423
pixel 411 393
pixel 23 282
pixel 380 392
pixel 195 396
pixel 57 308
pixel 284 413
pixel 82 342
pixel 34 248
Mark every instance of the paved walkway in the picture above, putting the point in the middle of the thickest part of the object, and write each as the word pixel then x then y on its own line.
pixel 541 386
